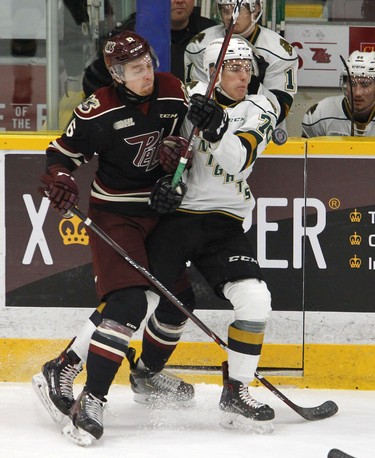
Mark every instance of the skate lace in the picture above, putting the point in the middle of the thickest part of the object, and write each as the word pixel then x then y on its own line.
pixel 67 376
pixel 247 399
pixel 94 408
pixel 165 381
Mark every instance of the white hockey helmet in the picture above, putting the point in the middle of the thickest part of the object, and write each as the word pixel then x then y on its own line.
pixel 250 3
pixel 361 64
pixel 238 48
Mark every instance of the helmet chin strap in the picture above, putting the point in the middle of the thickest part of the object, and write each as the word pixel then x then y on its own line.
pixel 246 33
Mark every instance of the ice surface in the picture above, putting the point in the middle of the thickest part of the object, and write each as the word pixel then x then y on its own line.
pixel 135 431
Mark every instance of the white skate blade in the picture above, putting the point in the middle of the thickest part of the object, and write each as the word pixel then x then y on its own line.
pixel 41 389
pixel 235 421
pixel 163 402
pixel 77 435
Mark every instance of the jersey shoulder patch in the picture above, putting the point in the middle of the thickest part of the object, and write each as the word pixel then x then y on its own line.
pixel 99 102
pixel 202 39
pixel 198 38
pixel 288 47
pixel 270 41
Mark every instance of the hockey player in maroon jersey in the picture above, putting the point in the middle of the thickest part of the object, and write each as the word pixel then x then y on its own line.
pixel 123 124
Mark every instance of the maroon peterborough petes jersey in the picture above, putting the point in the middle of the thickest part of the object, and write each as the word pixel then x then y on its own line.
pixel 125 138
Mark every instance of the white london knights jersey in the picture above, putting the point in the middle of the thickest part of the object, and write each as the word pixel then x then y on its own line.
pixel 331 116
pixel 217 180
pixel 281 73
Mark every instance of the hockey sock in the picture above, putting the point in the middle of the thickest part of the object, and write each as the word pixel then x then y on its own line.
pixel 107 350
pixel 245 339
pixel 159 342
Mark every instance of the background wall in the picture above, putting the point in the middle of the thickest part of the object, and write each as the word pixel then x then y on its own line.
pixel 321 330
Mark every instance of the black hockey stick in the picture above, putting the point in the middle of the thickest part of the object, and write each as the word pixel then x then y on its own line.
pixel 351 96
pixel 325 410
pixel 210 88
pixel 336 453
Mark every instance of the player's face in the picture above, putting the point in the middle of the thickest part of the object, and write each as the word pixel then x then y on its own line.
pixel 244 20
pixel 139 75
pixel 363 94
pixel 180 13
pixel 235 77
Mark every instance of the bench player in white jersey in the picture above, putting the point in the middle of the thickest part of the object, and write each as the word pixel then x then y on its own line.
pixel 278 60
pixel 334 115
pixel 207 229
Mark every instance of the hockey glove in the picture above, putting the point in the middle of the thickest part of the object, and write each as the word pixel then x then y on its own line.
pixel 170 151
pixel 209 117
pixel 60 188
pixel 164 198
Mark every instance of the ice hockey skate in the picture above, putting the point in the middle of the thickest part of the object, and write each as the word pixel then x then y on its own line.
pixel 240 410
pixel 159 389
pixel 87 419
pixel 54 384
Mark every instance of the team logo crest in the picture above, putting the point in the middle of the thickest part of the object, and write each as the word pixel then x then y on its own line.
pixel 89 104
pixel 147 155
pixel 109 47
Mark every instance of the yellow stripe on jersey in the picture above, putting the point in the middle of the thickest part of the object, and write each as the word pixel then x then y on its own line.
pixel 250 142
pixel 247 337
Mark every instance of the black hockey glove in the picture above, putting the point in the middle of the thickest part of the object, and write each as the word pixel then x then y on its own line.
pixel 164 198
pixel 209 117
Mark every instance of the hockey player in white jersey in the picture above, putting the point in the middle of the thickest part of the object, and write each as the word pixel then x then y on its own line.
pixel 335 115
pixel 278 61
pixel 207 229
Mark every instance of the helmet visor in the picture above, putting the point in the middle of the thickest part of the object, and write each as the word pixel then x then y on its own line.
pixel 136 69
pixel 238 66
pixel 357 81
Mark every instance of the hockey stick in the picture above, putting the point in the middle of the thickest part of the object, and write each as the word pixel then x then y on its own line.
pixel 210 88
pixel 351 97
pixel 335 453
pixel 325 410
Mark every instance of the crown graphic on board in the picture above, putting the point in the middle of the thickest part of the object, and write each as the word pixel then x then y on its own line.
pixel 355 239
pixel 73 231
pixel 355 263
pixel 355 216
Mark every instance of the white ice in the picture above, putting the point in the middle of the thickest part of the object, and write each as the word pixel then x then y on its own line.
pixel 135 431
